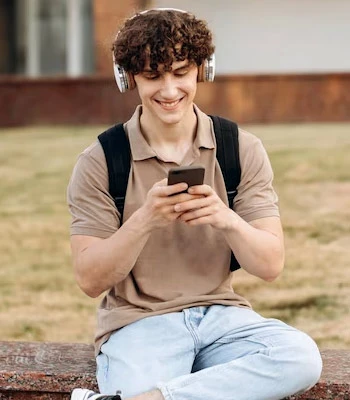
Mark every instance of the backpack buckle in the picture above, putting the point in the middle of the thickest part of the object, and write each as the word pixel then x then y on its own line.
pixel 231 194
pixel 119 203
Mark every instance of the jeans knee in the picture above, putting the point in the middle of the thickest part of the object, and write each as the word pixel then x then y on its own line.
pixel 308 366
pixel 313 368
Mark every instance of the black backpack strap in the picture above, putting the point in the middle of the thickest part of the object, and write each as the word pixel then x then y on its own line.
pixel 227 154
pixel 116 147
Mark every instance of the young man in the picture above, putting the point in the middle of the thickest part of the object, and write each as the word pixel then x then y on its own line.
pixel 170 325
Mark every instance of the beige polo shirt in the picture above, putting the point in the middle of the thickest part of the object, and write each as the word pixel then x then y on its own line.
pixel 180 266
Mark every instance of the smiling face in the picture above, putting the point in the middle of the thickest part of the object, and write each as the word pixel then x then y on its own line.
pixel 167 95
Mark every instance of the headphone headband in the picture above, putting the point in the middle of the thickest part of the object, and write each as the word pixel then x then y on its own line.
pixel 161 9
pixel 125 80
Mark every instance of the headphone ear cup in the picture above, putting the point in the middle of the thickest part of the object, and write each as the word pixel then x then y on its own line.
pixel 125 80
pixel 206 71
pixel 200 76
pixel 131 80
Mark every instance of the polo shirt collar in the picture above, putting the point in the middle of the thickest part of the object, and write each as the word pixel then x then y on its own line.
pixel 141 150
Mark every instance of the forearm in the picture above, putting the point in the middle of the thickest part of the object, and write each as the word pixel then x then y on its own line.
pixel 258 250
pixel 104 263
pixel 100 264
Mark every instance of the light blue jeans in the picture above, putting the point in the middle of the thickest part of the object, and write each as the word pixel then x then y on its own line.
pixel 209 353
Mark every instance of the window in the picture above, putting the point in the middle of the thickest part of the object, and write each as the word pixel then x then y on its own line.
pixel 51 37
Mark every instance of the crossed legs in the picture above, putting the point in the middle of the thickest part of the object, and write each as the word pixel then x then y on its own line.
pixel 219 352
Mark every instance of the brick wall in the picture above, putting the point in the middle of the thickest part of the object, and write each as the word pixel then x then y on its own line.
pixel 278 98
pixel 245 99
pixel 108 15
pixel 46 101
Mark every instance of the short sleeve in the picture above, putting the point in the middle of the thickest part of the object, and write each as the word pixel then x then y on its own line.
pixel 91 206
pixel 256 197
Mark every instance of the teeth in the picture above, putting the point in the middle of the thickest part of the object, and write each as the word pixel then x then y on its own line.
pixel 169 105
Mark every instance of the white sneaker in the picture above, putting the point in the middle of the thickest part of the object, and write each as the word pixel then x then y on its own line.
pixel 86 394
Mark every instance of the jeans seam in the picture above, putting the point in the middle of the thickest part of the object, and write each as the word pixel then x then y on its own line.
pixel 190 328
pixel 165 392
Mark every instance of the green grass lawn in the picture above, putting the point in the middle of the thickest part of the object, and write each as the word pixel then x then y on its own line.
pixel 40 300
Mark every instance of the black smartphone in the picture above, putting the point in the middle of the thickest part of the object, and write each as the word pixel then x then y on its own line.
pixel 192 175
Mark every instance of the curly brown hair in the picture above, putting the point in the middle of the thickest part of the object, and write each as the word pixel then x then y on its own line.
pixel 163 36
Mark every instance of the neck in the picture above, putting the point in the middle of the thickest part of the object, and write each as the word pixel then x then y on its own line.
pixel 158 133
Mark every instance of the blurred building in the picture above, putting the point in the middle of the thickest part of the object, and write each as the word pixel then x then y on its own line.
pixel 57 37
pixel 277 60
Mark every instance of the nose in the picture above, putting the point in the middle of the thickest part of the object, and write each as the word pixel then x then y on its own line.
pixel 169 88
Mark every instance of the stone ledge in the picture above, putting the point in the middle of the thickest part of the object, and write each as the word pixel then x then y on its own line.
pixel 50 371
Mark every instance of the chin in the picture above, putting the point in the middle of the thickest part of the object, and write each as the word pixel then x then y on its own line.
pixel 171 119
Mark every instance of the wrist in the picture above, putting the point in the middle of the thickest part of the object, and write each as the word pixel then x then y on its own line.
pixel 138 222
pixel 232 222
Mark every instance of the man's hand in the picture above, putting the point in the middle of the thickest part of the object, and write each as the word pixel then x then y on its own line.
pixel 257 245
pixel 206 208
pixel 100 264
pixel 159 208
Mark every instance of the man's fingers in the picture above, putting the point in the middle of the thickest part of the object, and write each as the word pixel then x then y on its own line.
pixel 192 204
pixel 163 182
pixel 164 190
pixel 198 214
pixel 204 190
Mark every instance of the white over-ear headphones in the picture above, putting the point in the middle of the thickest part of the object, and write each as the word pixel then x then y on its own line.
pixel 125 80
